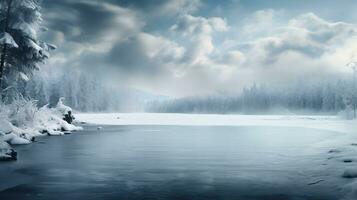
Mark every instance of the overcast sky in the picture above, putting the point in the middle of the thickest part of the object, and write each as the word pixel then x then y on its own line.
pixel 192 47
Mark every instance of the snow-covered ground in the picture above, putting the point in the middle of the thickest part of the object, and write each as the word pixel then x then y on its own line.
pixel 21 121
pixel 330 123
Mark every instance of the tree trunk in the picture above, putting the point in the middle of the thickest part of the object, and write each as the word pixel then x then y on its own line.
pixel 4 50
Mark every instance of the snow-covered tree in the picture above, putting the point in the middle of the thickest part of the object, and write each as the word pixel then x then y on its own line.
pixel 349 94
pixel 20 48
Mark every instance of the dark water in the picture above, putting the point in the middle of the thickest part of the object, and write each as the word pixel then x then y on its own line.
pixel 172 162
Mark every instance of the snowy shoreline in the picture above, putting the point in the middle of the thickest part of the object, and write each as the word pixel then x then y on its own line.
pixel 339 150
pixel 21 122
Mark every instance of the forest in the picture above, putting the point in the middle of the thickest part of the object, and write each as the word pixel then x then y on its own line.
pixel 303 97
pixel 83 92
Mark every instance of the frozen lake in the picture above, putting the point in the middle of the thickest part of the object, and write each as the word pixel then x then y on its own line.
pixel 176 162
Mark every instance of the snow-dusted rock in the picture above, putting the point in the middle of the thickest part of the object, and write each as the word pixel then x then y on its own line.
pixel 6 152
pixel 12 138
pixel 15 135
pixel 55 133
pixel 5 126
pixel 12 134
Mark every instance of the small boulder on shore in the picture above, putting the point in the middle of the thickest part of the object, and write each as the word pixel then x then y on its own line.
pixel 6 152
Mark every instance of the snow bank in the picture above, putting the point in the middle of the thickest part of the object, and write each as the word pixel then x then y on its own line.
pixel 50 121
pixel 5 151
pixel 21 121
pixel 61 108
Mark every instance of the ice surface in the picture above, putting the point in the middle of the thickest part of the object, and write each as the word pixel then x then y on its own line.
pixel 331 123
pixel 341 148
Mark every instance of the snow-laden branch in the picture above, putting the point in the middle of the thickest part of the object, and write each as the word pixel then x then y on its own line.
pixel 6 38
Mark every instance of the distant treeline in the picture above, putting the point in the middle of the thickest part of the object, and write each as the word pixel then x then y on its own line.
pixel 82 91
pixel 324 97
pixel 85 92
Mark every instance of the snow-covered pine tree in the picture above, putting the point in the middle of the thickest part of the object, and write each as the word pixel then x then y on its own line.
pixel 20 48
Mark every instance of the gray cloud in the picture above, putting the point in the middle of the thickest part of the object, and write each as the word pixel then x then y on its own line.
pixel 306 34
pixel 145 53
pixel 77 20
pixel 157 8
pixel 191 52
pixel 199 31
pixel 90 21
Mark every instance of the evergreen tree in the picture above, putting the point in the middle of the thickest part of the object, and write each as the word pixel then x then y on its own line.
pixel 21 49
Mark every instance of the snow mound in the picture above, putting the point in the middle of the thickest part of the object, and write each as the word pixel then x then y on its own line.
pixel 21 121
pixel 15 139
pixel 50 120
pixel 5 151
pixel 12 134
pixel 61 108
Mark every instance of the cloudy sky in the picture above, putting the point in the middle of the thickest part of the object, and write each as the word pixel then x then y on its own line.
pixel 197 47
